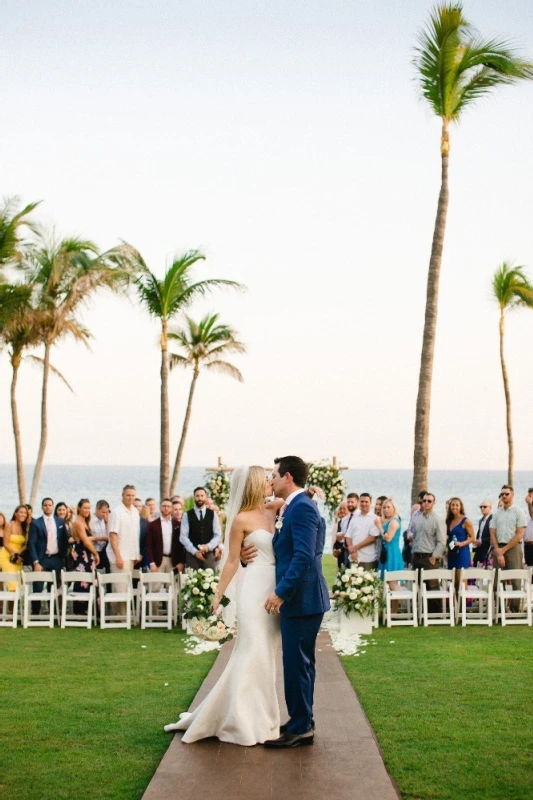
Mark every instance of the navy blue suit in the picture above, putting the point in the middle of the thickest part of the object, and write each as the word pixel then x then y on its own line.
pixel 298 547
pixel 37 542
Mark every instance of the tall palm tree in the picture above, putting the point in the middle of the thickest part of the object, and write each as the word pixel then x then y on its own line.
pixel 12 220
pixel 164 299
pixel 67 273
pixel 455 67
pixel 512 290
pixel 203 345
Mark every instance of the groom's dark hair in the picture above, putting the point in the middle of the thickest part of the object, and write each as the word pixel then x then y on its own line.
pixel 297 468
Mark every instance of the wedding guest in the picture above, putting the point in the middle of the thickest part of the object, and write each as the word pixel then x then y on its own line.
pixel 165 551
pixel 391 556
pixel 124 535
pixel 200 533
pixel 15 543
pixel 408 533
pixel 84 554
pixel 2 527
pixel 177 509
pixel 144 521
pixel 528 534
pixel 100 539
pixel 30 512
pixel 481 545
pixel 63 512
pixel 429 542
pixel 337 544
pixel 379 504
pixel 506 534
pixel 47 546
pixel 362 535
pixel 152 508
pixel 138 503
pixel 461 535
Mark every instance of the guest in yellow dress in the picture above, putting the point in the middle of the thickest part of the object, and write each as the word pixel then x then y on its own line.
pixel 15 544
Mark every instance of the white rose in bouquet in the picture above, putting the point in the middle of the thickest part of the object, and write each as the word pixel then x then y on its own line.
pixel 205 586
pixel 195 590
pixel 213 587
pixel 198 628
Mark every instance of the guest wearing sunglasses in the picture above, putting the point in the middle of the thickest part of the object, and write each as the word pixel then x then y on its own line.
pixel 506 534
pixel 482 543
pixel 429 542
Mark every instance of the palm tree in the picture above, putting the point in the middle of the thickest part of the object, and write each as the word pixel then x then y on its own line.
pixel 511 290
pixel 12 220
pixel 203 345
pixel 455 67
pixel 66 272
pixel 164 299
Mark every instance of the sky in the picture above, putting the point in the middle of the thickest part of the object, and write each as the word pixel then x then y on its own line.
pixel 288 142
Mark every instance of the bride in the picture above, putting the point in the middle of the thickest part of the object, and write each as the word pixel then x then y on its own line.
pixel 242 708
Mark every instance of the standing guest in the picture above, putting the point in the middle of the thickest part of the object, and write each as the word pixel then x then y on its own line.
pixel 151 505
pixel 30 512
pixel 528 535
pixel 15 543
pixel 200 533
pixel 408 533
pixel 144 521
pixel 379 505
pixel 124 535
pixel 100 539
pixel 63 512
pixel 165 551
pixel 391 555
pixel 2 527
pixel 506 534
pixel 460 536
pixel 482 544
pixel 138 503
pixel 84 554
pixel 429 542
pixel 47 546
pixel 178 497
pixel 363 533
pixel 338 545
pixel 177 509
pixel 352 501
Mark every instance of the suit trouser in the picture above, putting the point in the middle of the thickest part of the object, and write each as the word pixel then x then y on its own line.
pixel 513 560
pixel 194 563
pixel 120 608
pixel 298 636
pixel 165 566
pixel 49 564
pixel 528 553
pixel 421 561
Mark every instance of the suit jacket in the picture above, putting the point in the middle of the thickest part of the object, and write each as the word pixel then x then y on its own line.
pixel 154 544
pixel 298 547
pixel 38 539
pixel 483 533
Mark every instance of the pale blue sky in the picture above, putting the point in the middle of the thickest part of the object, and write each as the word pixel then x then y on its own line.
pixel 288 142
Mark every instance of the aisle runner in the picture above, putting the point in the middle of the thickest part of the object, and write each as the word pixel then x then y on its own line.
pixel 345 762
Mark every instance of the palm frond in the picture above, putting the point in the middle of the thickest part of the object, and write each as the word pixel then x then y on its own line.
pixel 54 370
pixel 511 287
pixel 178 361
pixel 225 368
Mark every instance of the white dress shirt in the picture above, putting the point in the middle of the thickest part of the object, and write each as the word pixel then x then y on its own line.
pixel 184 531
pixel 125 522
pixel 98 528
pixel 361 527
pixel 51 535
pixel 166 529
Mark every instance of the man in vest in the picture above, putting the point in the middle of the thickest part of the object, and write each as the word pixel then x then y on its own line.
pixel 200 533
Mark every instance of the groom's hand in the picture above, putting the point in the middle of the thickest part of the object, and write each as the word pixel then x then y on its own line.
pixel 248 553
pixel 273 604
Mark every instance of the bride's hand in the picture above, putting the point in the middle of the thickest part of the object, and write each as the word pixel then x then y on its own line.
pixel 316 490
pixel 215 604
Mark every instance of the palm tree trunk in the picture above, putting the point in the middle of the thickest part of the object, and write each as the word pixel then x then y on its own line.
pixel 164 467
pixel 184 430
pixel 38 470
pixel 423 401
pixel 507 391
pixel 21 481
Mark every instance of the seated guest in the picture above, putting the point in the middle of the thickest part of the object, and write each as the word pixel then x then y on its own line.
pixel 482 543
pixel 151 505
pixel 84 554
pixel 164 549
pixel 47 546
pixel 12 554
pixel 200 533
pixel 337 544
pixel 460 536
pixel 361 538
pixel 391 558
pixel 528 534
pixel 100 539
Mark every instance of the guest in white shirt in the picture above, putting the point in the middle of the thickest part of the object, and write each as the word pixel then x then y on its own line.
pixel 100 539
pixel 124 534
pixel 362 535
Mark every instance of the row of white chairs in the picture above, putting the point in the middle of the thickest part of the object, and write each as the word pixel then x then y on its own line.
pixel 142 603
pixel 475 604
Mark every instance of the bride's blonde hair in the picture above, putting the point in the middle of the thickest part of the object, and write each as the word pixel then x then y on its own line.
pixel 254 489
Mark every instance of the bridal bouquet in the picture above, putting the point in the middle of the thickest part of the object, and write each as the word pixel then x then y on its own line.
pixel 357 591
pixel 198 590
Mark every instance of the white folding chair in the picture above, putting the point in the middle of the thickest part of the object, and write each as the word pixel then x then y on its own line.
pixel 506 592
pixel 480 593
pixel 136 592
pixel 10 595
pixel 110 594
pixel 406 593
pixel 68 595
pixel 164 594
pixel 48 594
pixel 445 593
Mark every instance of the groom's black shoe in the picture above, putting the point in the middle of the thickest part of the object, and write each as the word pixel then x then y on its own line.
pixel 285 727
pixel 291 740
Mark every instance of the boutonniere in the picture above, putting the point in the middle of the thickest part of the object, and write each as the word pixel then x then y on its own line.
pixel 279 522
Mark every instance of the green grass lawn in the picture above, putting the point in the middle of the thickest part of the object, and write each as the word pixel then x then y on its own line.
pixel 452 709
pixel 329 568
pixel 82 712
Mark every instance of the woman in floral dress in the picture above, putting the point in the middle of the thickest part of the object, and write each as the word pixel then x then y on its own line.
pixel 83 553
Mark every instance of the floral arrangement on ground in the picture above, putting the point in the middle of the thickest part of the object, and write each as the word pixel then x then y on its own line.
pixel 329 478
pixel 217 485
pixel 197 593
pixel 357 591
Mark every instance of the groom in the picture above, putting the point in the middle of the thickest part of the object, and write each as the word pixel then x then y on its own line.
pixel 301 596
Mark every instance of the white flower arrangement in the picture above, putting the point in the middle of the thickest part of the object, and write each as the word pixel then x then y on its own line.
pixel 218 487
pixel 330 480
pixel 357 591
pixel 197 604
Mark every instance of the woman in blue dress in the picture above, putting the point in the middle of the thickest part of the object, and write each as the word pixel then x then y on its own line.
pixel 460 536
pixel 391 558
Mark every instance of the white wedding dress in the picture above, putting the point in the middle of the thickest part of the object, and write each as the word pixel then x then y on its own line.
pixel 242 707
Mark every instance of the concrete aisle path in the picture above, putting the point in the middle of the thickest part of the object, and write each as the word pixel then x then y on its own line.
pixel 344 763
